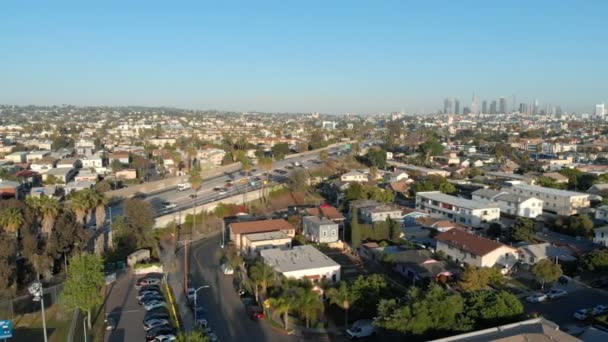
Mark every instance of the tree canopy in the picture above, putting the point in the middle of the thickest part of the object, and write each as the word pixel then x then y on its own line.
pixel 546 271
pixel 82 288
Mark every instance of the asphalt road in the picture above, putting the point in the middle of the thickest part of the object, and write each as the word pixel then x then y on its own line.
pixel 224 309
pixel 122 306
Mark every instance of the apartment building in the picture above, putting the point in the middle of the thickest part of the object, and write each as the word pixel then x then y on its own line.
pixel 561 202
pixel 511 204
pixel 320 229
pixel 302 262
pixel 469 212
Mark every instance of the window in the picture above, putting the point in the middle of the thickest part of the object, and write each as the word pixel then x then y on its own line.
pixel 473 256
pixel 325 233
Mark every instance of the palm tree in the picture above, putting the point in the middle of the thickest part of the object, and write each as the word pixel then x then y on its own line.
pixel 323 155
pixel 11 219
pixel 343 297
pixel 47 208
pixel 192 152
pixel 80 204
pixel 266 164
pixel 193 336
pixel 98 201
pixel 309 304
pixel 261 275
pixel 195 178
pixel 281 306
pixel 246 167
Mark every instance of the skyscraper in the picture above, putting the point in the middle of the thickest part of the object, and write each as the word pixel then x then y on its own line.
pixel 484 107
pixel 502 103
pixel 447 106
pixel 456 107
pixel 493 107
pixel 535 107
pixel 523 108
pixel 474 104
pixel 600 110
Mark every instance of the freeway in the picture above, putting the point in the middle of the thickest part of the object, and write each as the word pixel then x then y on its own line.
pixel 189 198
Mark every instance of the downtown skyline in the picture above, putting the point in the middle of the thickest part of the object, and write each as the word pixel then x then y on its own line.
pixel 349 57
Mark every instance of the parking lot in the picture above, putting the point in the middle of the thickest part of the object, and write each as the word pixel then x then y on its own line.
pixel 122 307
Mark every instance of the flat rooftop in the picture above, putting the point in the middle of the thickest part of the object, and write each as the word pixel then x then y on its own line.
pixel 298 258
pixel 266 236
pixel 455 201
pixel 545 190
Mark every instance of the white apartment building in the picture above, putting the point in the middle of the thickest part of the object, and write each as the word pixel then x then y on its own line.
pixel 302 262
pixel 474 250
pixel 511 204
pixel 92 161
pixel 561 202
pixel 354 176
pixel 461 210
pixel 600 236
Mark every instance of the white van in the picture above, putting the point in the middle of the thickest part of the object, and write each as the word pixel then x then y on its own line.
pixel 183 186
pixel 361 328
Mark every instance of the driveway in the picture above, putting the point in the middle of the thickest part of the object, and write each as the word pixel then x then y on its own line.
pixel 122 306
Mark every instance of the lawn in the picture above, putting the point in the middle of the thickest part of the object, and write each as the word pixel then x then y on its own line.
pixel 28 327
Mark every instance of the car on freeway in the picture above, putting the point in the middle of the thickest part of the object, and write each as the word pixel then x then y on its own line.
pixel 155 323
pixel 581 314
pixel 165 338
pixel 599 310
pixel 536 298
pixel 146 282
pixel 223 192
pixel 154 304
pixel 159 331
pixel 556 293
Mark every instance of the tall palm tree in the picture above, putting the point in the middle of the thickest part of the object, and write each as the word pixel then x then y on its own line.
pixel 343 297
pixel 309 304
pixel 266 164
pixel 191 152
pixel 80 204
pixel 281 306
pixel 47 208
pixel 98 201
pixel 11 219
pixel 262 275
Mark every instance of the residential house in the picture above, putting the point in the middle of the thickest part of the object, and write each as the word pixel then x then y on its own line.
pixel 74 163
pixel 530 254
pixel 447 159
pixel 557 177
pixel 561 202
pixel 239 229
pixel 409 216
pixel 43 165
pixel 302 262
pixel 354 176
pixel 511 204
pixel 419 266
pixel 78 185
pixel 420 171
pixel 256 242
pixel 49 191
pixel 35 155
pixel 86 175
pixel 598 189
pixel 94 161
pixel 9 189
pixel 469 212
pixel 126 174
pixel 64 175
pixel 161 141
pixel 17 157
pixel 395 176
pixel 214 156
pixel 438 224
pixel 121 156
pixel 474 250
pixel 380 213
pixel 600 236
pixel 601 213
pixel 320 229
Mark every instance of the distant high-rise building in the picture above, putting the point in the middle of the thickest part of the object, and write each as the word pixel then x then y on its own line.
pixel 523 108
pixel 456 107
pixel 559 111
pixel 600 111
pixel 502 103
pixel 474 104
pixel 447 106
pixel 484 107
pixel 466 111
pixel 493 109
pixel 535 107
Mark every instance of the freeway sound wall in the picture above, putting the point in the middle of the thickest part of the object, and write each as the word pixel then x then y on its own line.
pixel 167 183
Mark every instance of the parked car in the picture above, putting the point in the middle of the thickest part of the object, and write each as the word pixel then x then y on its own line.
pixel 248 300
pixel 149 288
pixel 599 310
pixel 155 323
pixel 556 293
pixel 536 297
pixel 110 323
pixel 154 304
pixel 581 314
pixel 165 338
pixel 147 282
pixel 148 293
pixel 159 331
pixel 255 313
pixel 361 328
pixel 149 299
pixel 160 313
pixel 599 283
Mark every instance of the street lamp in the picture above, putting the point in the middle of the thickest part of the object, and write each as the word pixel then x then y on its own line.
pixel 196 301
pixel 84 328
pixel 36 290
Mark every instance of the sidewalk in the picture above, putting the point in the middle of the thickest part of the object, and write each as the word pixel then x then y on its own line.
pixel 174 272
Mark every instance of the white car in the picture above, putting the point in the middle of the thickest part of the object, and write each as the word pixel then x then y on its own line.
pixel 169 205
pixel 165 338
pixel 599 310
pixel 581 314
pixel 556 293
pixel 155 323
pixel 154 304
pixel 536 297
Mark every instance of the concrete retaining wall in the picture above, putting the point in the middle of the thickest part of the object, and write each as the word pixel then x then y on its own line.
pixel 163 221
pixel 164 184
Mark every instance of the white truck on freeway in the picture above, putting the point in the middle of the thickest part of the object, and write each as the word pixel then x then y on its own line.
pixel 183 186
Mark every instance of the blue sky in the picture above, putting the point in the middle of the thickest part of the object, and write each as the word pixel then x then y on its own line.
pixel 328 56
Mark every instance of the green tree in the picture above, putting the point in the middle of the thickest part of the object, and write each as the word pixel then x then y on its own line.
pixel 82 288
pixel 478 278
pixel 103 186
pixel 52 180
pixel 523 229
pixel 546 271
pixel 376 157
pixel 193 336
pixel 281 306
pixel 394 230
pixel 431 147
pixel 11 219
pixel 343 297
pixel 280 150
pixel 8 264
pixel 323 155
pixel 309 304
pixel 116 165
pixel 492 308
pixel 355 229
pixel 596 260
pixel 298 181
pixel 47 208
pixel 369 290
pixel 195 178
pixel 262 275
pixel 447 188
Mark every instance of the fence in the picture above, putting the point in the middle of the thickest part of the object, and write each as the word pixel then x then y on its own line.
pixel 25 304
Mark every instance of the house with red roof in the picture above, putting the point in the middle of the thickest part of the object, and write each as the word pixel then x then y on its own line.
pixel 474 250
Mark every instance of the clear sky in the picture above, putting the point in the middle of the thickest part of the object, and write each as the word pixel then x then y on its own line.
pixel 328 56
